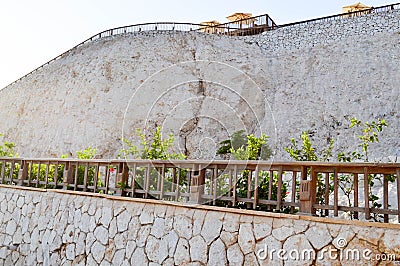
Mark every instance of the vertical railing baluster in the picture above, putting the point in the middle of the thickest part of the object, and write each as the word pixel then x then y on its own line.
pixel 96 177
pixel 230 185
pixel 335 193
pixel 366 194
pixel 133 180
pixel 211 184
pixel 234 192
pixel 3 171
pixel 38 174
pixel 355 203
pixel 294 178
pixel 47 174
pixel 194 184
pixel 158 178
pixel 107 178
pixel 55 177
pixel 398 193
pixel 385 197
pixel 326 196
pixel 255 198
pixel 189 173
pixel 161 189
pixel 313 190
pixel 249 188
pixel 178 180
pixel 147 181
pixel 271 178
pixel 215 176
pixel 76 177
pixel 279 189
pixel 85 177
pixel 173 179
pixel 30 173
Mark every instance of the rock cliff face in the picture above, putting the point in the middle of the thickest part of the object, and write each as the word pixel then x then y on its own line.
pixel 203 87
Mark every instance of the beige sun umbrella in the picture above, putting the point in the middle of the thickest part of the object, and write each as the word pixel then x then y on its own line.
pixel 356 7
pixel 209 27
pixel 241 18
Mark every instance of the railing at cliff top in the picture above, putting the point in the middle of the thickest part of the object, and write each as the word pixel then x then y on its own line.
pixel 250 26
pixel 227 29
pixel 307 187
pixel 173 26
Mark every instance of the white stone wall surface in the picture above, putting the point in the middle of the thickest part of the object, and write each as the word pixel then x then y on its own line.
pixel 39 227
pixel 202 88
pixel 322 32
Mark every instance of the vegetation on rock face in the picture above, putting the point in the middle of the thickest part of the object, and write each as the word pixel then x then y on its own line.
pixel 153 148
pixel 369 134
pixel 86 154
pixel 248 147
pixel 7 149
pixel 306 152
pixel 245 147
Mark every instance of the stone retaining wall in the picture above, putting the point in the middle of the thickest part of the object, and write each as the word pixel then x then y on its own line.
pixel 70 228
pixel 320 33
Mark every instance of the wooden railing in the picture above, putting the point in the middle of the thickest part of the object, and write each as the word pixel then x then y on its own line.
pixel 306 187
pixel 242 27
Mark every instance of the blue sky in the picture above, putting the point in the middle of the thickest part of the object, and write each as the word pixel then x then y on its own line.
pixel 33 32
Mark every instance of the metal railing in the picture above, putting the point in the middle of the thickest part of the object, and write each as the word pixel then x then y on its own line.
pixel 305 187
pixel 260 23
pixel 158 26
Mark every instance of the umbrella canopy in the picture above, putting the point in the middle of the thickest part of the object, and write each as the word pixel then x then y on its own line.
pixel 209 27
pixel 241 18
pixel 356 7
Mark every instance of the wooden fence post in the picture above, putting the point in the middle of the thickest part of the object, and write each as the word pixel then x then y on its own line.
pixel 308 191
pixel 197 185
pixel 68 175
pixel 22 173
pixel 122 178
